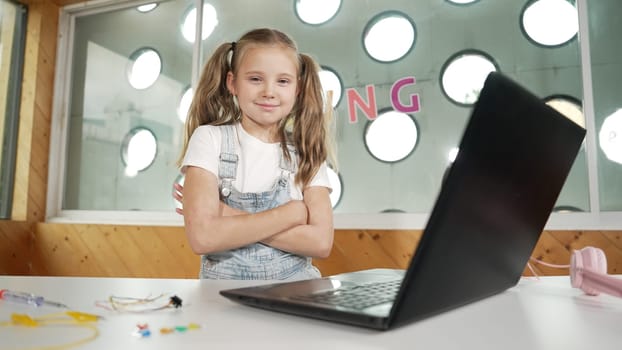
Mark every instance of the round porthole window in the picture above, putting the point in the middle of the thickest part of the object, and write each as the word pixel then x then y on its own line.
pixel 335 182
pixel 147 7
pixel 463 76
pixel 138 151
pixel 452 154
pixel 462 2
pixel 179 180
pixel 184 104
pixel 316 12
pixel 610 137
pixel 189 23
pixel 331 82
pixel 550 23
pixel 568 106
pixel 392 136
pixel 389 36
pixel 567 209
pixel 144 68
pixel 392 211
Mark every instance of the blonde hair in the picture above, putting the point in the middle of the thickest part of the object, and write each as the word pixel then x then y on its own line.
pixel 307 126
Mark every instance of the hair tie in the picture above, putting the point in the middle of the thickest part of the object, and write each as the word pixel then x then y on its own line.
pixel 233 46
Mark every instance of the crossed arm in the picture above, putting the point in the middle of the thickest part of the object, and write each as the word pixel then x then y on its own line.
pixel 301 227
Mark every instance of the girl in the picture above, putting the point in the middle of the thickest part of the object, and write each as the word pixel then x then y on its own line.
pixel 256 191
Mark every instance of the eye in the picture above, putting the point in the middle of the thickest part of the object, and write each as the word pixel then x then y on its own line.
pixel 283 81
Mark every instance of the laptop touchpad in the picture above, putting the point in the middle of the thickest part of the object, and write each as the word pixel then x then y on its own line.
pixel 304 287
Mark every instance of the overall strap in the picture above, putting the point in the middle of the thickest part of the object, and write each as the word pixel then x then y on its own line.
pixel 228 160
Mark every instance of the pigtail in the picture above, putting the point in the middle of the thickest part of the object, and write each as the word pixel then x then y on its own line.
pixel 212 102
pixel 310 129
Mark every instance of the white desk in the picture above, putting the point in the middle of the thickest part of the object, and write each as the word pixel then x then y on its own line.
pixel 537 314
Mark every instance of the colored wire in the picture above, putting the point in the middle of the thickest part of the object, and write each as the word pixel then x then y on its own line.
pixel 549 264
pixel 139 305
pixel 538 261
pixel 76 319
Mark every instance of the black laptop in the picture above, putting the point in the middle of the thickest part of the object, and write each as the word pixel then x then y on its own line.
pixel 513 160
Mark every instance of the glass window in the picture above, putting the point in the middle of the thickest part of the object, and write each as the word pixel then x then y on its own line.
pixel 138 151
pixel 331 82
pixel 144 68
pixel 452 154
pixel 316 12
pixel 566 209
pixel 573 198
pixel 392 136
pixel 189 22
pixel 12 42
pixel 392 211
pixel 178 180
pixel 147 7
pixel 112 125
pixel 464 74
pixel 605 28
pixel 610 136
pixel 462 2
pixel 389 36
pixel 337 187
pixel 568 106
pixel 550 22
pixel 372 56
pixel 184 104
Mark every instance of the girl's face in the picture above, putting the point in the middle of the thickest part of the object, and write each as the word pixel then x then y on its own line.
pixel 266 85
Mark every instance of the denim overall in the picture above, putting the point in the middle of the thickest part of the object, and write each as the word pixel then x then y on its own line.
pixel 255 261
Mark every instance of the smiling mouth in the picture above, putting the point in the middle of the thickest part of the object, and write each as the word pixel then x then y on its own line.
pixel 266 106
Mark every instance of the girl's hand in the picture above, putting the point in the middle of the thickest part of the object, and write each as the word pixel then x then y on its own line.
pixel 178 190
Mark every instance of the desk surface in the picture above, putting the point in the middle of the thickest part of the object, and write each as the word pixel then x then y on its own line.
pixel 543 313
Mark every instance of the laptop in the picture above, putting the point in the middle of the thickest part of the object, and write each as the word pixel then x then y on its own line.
pixel 494 202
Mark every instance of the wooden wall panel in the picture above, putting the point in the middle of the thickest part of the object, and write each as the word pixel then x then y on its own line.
pixel 111 250
pixel 35 112
pixel 362 249
pixel 140 251
pixel 16 236
pixel 14 253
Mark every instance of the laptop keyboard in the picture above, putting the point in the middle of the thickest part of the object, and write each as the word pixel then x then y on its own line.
pixel 357 297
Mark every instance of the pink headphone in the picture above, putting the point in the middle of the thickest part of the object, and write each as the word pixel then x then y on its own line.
pixel 588 271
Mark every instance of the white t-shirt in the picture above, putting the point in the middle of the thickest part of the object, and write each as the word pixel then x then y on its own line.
pixel 258 162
